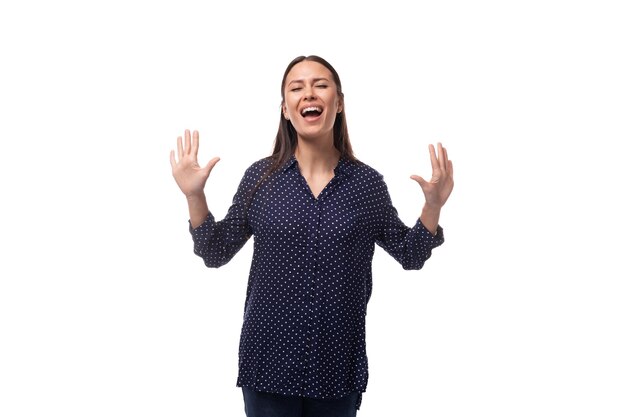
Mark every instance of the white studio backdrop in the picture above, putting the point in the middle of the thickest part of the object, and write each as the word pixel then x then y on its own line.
pixel 104 309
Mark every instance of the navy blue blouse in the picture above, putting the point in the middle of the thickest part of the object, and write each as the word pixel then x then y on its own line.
pixel 311 276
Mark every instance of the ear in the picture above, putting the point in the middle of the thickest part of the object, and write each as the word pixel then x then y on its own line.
pixel 284 110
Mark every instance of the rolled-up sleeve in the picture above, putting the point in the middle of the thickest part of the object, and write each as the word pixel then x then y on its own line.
pixel 217 242
pixel 411 247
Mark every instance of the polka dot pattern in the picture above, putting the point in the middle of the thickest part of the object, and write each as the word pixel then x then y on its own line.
pixel 311 275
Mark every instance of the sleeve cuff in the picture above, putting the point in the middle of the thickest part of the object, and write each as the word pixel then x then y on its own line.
pixel 427 237
pixel 204 227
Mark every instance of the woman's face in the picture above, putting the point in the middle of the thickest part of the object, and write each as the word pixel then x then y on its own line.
pixel 311 100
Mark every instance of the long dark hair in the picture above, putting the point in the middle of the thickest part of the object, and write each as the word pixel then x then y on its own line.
pixel 287 137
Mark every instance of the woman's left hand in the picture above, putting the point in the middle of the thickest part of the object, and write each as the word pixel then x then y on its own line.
pixel 438 189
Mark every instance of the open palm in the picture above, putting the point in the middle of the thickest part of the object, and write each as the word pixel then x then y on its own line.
pixel 438 189
pixel 189 175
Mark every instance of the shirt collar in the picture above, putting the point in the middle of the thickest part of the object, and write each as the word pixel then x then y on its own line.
pixel 343 167
pixel 291 162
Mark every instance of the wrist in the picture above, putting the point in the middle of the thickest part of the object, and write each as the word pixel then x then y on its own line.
pixel 195 197
pixel 431 209
pixel 430 218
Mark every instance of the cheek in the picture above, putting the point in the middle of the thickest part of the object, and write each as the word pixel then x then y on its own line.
pixel 290 107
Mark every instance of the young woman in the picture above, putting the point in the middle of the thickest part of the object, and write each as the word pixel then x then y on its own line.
pixel 316 213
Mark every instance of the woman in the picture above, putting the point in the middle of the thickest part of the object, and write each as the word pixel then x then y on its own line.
pixel 316 213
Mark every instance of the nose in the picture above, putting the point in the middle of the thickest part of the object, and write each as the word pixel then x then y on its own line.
pixel 309 93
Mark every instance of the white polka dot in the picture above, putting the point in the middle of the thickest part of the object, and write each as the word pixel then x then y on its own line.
pixel 311 276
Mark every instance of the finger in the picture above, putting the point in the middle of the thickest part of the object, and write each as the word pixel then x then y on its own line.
pixel 445 158
pixel 211 164
pixel 440 158
pixel 450 169
pixel 187 142
pixel 172 159
pixel 179 144
pixel 433 158
pixel 195 143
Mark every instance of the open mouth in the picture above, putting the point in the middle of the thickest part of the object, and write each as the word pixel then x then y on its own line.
pixel 311 112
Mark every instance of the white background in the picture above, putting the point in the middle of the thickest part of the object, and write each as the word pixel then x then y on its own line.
pixel 104 309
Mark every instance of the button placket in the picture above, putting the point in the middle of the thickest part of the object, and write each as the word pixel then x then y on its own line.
pixel 311 304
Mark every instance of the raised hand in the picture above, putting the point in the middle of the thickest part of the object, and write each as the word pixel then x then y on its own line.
pixel 438 189
pixel 189 175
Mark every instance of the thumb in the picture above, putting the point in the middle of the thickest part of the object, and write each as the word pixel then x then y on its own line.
pixel 421 181
pixel 211 164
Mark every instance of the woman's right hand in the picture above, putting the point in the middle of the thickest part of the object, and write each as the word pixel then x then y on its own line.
pixel 189 175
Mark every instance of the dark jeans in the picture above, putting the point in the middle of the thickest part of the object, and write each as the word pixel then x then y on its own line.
pixel 264 404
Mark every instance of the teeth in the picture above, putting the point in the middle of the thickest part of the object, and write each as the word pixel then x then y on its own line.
pixel 308 109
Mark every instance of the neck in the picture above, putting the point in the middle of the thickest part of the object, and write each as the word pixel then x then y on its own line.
pixel 316 156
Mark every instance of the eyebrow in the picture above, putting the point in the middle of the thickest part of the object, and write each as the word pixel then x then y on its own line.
pixel 314 80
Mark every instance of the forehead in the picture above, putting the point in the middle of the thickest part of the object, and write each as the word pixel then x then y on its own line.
pixel 308 70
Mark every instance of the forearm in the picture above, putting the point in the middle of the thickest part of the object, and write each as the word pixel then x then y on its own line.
pixel 217 241
pixel 430 218
pixel 198 209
